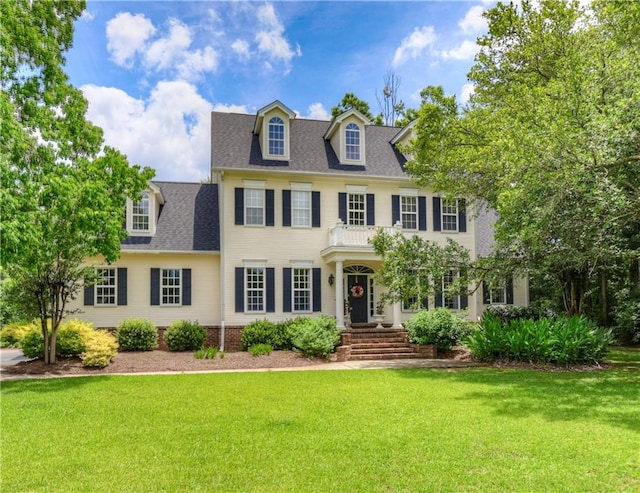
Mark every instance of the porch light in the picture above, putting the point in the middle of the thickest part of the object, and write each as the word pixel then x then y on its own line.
pixel 331 279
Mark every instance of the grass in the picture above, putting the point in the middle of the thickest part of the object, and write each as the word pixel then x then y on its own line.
pixel 349 431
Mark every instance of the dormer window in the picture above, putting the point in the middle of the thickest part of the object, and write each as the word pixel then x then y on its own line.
pixel 276 136
pixel 140 214
pixel 352 140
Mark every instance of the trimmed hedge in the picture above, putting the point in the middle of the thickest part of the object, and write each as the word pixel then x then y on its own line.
pixel 277 335
pixel 441 327
pixel 314 337
pixel 137 334
pixel 184 335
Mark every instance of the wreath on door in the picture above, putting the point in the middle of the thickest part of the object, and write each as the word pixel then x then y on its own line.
pixel 357 291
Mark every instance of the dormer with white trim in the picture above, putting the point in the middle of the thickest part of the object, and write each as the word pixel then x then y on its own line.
pixel 347 136
pixel 273 127
pixel 142 215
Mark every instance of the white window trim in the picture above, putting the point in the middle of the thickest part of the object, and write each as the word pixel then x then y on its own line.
pixel 414 213
pixel 457 216
pixel 255 265
pixel 455 297
pixel 115 289
pixel 179 286
pixel 364 211
pixel 346 144
pixel 309 213
pixel 264 207
pixel 152 217
pixel 301 266
pixel 503 290
pixel 283 140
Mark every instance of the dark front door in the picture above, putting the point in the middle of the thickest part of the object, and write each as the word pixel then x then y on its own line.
pixel 358 303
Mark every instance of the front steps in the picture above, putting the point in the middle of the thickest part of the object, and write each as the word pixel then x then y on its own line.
pixel 369 343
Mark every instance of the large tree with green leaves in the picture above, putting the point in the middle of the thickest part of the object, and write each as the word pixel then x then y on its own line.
pixel 550 139
pixel 351 101
pixel 63 192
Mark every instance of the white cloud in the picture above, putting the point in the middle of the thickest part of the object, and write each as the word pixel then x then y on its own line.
pixel 414 45
pixel 127 35
pixel 466 51
pixel 317 112
pixel 87 16
pixel 473 22
pixel 466 92
pixel 241 48
pixel 230 108
pixel 270 37
pixel 170 52
pixel 169 131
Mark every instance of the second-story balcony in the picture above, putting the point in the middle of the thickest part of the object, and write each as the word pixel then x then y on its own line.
pixel 343 235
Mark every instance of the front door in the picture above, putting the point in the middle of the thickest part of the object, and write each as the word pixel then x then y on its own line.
pixel 358 296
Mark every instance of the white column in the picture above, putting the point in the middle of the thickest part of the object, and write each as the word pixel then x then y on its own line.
pixel 339 296
pixel 397 316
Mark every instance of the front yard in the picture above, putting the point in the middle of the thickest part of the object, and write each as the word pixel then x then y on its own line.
pixel 480 429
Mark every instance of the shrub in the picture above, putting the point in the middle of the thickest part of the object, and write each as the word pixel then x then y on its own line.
pixel 260 349
pixel 507 313
pixel 12 334
pixel 565 340
pixel 627 317
pixel 206 353
pixel 184 335
pixel 101 347
pixel 277 335
pixel 440 327
pixel 32 343
pixel 315 338
pixel 71 337
pixel 137 334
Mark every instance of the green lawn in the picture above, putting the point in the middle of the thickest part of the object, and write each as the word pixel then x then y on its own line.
pixel 311 431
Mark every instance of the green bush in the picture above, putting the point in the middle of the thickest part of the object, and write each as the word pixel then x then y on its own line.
pixel 260 349
pixel 565 340
pixel 184 335
pixel 315 337
pixel 12 334
pixel 137 334
pixel 441 327
pixel 507 313
pixel 32 343
pixel 627 317
pixel 277 335
pixel 100 348
pixel 206 353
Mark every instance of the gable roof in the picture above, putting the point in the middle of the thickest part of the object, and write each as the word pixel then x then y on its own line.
pixel 188 220
pixel 337 121
pixel 235 146
pixel 264 110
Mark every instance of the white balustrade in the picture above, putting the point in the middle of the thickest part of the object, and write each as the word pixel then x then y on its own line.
pixel 346 235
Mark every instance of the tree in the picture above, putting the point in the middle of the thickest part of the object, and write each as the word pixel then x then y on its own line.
pixel 350 101
pixel 550 139
pixel 63 193
pixel 391 107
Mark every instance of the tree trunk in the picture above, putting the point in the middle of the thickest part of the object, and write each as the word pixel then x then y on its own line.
pixel 604 299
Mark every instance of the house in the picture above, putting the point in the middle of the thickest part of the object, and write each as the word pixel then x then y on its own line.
pixel 283 230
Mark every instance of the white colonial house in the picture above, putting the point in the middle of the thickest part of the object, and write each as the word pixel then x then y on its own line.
pixel 283 230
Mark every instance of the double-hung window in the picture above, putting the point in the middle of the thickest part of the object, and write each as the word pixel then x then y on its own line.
pixel 254 206
pixel 140 214
pixel 498 296
pixel 171 287
pixel 301 208
pixel 105 287
pixel 276 136
pixel 302 289
pixel 352 142
pixel 356 209
pixel 450 300
pixel 255 287
pixel 409 212
pixel 449 215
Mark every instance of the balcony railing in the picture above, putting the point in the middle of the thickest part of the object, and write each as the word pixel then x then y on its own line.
pixel 345 235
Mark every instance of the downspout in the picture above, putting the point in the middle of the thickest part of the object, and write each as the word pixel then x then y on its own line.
pixel 222 259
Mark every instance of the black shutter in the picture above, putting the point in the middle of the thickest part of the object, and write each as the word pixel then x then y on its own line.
pixel 122 286
pixel 464 299
pixel 155 286
pixel 342 207
pixel 395 209
pixel 286 289
pixel 422 213
pixel 271 286
pixel 509 290
pixel 88 292
pixel 286 207
pixel 269 199
pixel 186 287
pixel 425 303
pixel 438 300
pixel 239 206
pixel 317 289
pixel 371 209
pixel 315 209
pixel 486 293
pixel 436 214
pixel 462 215
pixel 239 289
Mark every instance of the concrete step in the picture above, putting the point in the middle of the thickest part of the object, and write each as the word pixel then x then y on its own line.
pixel 382 350
pixel 379 344
pixel 361 357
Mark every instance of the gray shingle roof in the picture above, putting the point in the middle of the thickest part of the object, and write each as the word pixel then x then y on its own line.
pixel 188 220
pixel 233 145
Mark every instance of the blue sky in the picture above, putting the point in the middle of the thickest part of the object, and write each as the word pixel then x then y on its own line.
pixel 153 71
